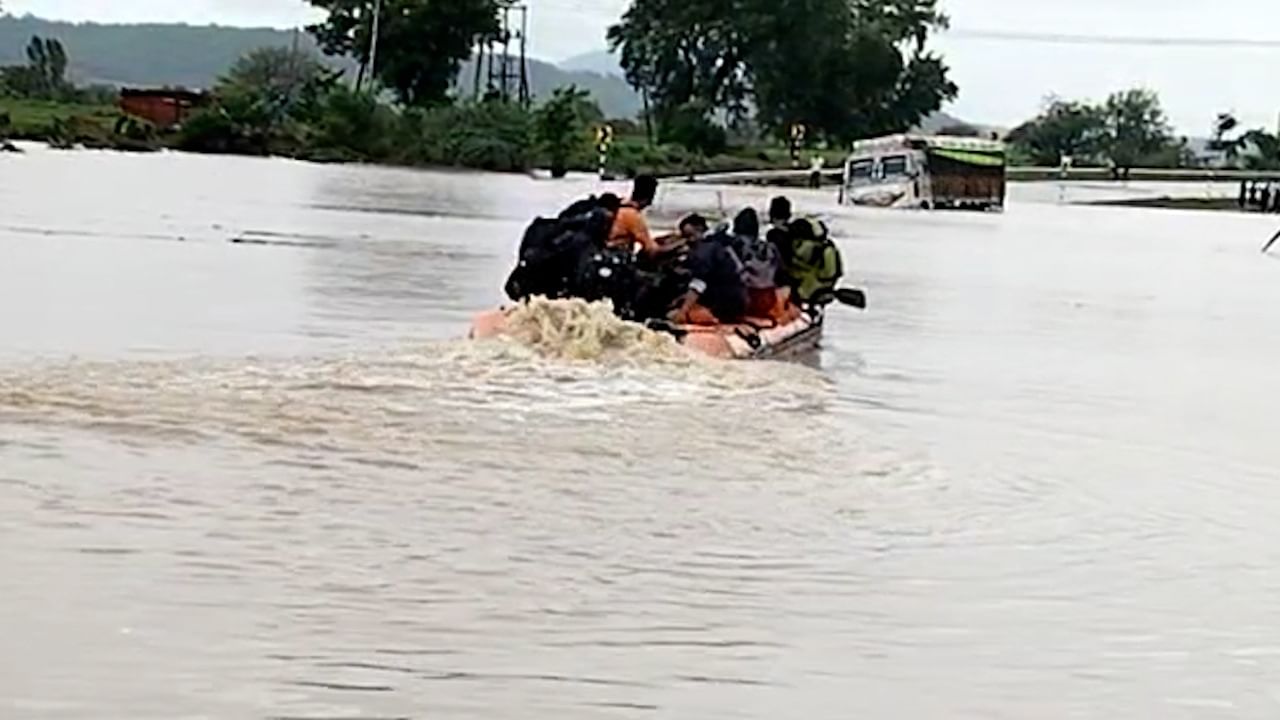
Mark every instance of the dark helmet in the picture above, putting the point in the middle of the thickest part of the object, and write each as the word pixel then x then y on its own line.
pixel 747 224
pixel 780 209
pixel 695 222
pixel 610 202
pixel 645 189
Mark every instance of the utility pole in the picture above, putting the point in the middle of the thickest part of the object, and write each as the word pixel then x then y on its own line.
pixel 648 115
pixel 506 54
pixel 507 75
pixel 373 41
pixel 525 94
pixel 475 91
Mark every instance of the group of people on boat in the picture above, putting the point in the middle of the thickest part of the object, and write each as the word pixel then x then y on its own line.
pixel 602 248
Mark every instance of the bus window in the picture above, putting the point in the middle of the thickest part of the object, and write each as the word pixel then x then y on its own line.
pixel 894 166
pixel 860 170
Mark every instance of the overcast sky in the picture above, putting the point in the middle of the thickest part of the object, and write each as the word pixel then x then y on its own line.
pixel 1001 81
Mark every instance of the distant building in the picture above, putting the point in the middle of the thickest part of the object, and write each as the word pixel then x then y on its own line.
pixel 164 108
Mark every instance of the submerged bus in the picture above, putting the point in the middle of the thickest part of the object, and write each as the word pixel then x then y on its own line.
pixel 926 172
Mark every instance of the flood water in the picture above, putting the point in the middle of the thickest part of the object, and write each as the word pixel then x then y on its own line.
pixel 268 479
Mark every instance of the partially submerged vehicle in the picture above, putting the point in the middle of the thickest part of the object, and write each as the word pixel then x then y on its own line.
pixel 926 172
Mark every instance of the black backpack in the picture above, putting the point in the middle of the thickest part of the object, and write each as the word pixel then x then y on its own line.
pixel 580 208
pixel 608 274
pixel 552 250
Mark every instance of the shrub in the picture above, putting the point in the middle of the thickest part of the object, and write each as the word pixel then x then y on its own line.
pixel 354 125
pixel 689 127
pixel 488 135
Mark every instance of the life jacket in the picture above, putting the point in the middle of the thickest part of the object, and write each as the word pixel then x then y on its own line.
pixel 760 261
pixel 713 265
pixel 551 251
pixel 813 266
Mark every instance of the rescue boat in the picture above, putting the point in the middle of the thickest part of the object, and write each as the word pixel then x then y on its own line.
pixel 750 340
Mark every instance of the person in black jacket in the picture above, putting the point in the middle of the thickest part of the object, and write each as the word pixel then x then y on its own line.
pixel 716 293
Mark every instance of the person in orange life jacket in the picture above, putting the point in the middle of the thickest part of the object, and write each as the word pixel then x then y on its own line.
pixel 717 294
pixel 629 226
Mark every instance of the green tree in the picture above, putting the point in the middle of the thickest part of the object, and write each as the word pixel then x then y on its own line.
pixel 45 74
pixel 844 68
pixel 263 101
pixel 353 126
pixel 688 58
pixel 560 125
pixel 421 43
pixel 1064 129
pixel 849 69
pixel 1137 130
pixel 1223 125
pixel 690 126
pixel 273 84
pixel 1260 150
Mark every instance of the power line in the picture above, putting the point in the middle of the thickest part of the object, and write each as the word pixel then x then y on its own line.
pixel 1132 40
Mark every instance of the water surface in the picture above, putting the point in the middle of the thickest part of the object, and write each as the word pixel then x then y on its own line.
pixel 249 468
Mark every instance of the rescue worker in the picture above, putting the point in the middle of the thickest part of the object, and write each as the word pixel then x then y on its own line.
pixel 779 234
pixel 761 263
pixel 716 292
pixel 629 226
pixel 816 165
pixel 814 266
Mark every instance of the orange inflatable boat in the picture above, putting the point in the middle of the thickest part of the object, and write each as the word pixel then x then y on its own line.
pixel 752 340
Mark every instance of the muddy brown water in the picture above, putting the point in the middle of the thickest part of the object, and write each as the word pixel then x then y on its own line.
pixel 267 478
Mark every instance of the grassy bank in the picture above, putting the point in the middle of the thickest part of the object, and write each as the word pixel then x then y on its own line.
pixel 70 124
pixel 357 131
pixel 34 119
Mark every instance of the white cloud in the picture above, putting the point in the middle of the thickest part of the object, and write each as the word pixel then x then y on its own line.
pixel 278 13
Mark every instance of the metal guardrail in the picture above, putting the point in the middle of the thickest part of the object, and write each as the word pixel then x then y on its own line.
pixel 1148 174
pixel 1015 174
pixel 760 177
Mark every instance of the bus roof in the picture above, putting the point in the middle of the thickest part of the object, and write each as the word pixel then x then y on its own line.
pixel 890 143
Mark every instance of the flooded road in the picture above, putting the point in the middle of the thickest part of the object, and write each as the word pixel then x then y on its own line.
pixel 248 468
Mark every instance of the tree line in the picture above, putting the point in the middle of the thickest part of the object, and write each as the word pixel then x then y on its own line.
pixel 842 68
pixel 1255 149
pixel 276 101
pixel 708 69
pixel 1130 130
pixel 44 76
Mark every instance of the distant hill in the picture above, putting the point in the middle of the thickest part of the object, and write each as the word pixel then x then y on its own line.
pixel 194 56
pixel 612 93
pixel 176 55
pixel 599 61
pixel 939 121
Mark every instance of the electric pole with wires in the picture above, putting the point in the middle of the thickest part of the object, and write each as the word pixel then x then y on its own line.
pixel 503 58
